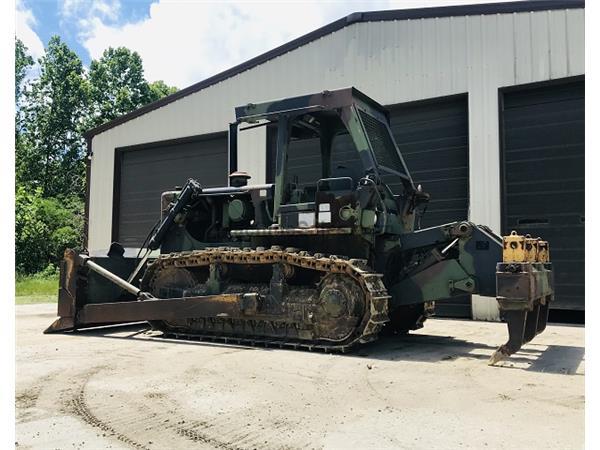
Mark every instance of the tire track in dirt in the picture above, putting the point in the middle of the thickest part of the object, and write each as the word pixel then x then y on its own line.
pixel 155 417
pixel 224 432
pixel 144 419
pixel 229 431
pixel 193 433
pixel 78 407
pixel 27 399
pixel 148 420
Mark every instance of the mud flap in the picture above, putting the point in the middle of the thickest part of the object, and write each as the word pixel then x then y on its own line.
pixel 524 293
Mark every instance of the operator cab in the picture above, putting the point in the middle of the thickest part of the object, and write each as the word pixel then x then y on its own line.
pixel 321 158
pixel 325 148
pixel 319 147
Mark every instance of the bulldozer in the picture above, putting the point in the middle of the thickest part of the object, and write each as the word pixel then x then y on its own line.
pixel 317 261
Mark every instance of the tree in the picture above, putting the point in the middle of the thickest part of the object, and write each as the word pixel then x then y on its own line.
pixel 159 89
pixel 23 61
pixel 56 104
pixel 44 227
pixel 52 114
pixel 117 85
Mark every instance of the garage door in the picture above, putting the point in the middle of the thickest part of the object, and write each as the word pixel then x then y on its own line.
pixel 543 181
pixel 433 137
pixel 142 173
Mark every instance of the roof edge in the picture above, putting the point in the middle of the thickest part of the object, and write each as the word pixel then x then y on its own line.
pixel 356 17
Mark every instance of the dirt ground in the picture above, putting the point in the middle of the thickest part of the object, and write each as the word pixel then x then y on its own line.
pixel 130 388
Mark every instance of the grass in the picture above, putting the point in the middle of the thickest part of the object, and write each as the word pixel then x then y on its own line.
pixel 36 289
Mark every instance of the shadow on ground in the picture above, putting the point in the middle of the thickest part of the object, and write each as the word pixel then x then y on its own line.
pixel 560 359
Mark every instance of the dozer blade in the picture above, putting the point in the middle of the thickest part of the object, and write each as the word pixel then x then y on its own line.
pixel 524 293
pixel 76 311
pixel 96 314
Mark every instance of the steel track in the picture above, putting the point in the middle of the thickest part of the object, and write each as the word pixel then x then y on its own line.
pixel 375 293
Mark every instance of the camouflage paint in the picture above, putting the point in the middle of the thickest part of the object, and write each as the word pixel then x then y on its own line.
pixel 367 232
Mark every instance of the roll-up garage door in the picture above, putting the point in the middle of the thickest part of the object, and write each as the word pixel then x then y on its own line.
pixel 143 172
pixel 433 137
pixel 543 136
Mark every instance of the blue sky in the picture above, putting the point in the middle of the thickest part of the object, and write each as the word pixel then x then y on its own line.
pixel 50 20
pixel 185 41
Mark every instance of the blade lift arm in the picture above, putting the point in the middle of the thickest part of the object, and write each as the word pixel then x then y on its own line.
pixel 191 190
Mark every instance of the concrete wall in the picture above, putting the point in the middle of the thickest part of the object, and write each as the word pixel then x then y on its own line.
pixel 391 61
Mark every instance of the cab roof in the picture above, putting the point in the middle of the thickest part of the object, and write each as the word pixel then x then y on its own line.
pixel 325 100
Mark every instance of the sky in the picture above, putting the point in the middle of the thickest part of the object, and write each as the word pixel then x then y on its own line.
pixel 182 41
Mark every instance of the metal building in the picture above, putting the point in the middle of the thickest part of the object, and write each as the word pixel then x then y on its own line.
pixel 487 106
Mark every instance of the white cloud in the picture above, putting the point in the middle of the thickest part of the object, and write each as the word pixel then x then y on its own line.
pixel 105 9
pixel 24 31
pixel 185 42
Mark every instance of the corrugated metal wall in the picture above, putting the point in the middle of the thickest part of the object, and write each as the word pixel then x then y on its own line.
pixel 391 61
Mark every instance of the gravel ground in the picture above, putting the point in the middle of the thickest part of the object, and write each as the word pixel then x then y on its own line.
pixel 129 388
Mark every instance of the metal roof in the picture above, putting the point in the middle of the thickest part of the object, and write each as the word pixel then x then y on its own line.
pixel 357 17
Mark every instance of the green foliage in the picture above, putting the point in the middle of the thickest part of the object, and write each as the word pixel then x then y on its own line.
pixel 117 85
pixel 159 89
pixel 23 61
pixel 44 227
pixel 53 160
pixel 52 112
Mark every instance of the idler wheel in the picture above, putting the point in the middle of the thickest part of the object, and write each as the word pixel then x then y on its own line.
pixel 333 301
pixel 340 306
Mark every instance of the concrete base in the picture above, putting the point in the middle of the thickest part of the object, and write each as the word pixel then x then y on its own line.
pixel 127 387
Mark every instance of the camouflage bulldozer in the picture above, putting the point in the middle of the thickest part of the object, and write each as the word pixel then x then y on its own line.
pixel 325 264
